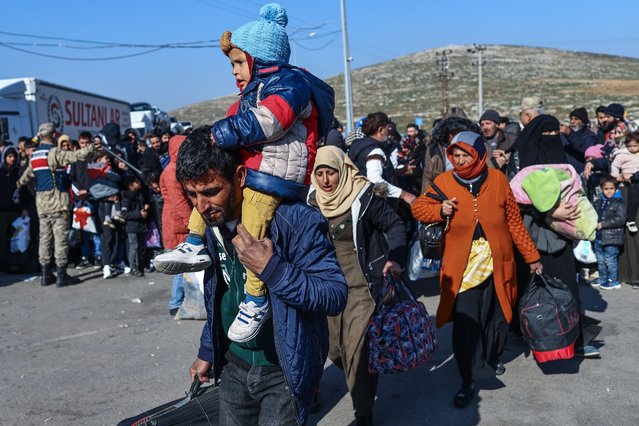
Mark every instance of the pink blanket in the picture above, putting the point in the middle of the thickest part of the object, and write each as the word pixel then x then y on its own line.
pixel 548 185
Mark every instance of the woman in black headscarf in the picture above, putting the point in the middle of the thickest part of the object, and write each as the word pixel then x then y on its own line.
pixel 540 143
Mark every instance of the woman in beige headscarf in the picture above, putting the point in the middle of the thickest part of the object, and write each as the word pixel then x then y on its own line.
pixel 370 241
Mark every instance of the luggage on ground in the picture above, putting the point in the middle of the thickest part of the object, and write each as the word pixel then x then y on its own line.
pixel 549 319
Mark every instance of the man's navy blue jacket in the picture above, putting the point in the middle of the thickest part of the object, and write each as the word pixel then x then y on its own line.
pixel 305 284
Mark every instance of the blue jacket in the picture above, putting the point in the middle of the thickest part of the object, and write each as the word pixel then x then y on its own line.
pixel 280 118
pixel 576 144
pixel 612 215
pixel 305 284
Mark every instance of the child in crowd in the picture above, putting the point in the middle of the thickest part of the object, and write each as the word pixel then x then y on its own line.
pixel 282 113
pixel 624 167
pixel 593 190
pixel 611 212
pixel 103 186
pixel 135 210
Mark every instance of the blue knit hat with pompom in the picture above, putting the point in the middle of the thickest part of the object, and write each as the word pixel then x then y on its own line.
pixel 265 39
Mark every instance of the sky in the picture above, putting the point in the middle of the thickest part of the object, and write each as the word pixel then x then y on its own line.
pixel 378 31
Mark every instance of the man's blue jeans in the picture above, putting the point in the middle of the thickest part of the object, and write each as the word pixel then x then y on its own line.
pixel 607 262
pixel 257 396
pixel 177 294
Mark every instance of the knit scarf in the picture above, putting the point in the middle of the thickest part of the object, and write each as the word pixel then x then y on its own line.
pixel 471 170
pixel 348 188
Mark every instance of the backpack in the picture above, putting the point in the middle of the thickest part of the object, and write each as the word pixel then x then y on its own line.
pixel 549 319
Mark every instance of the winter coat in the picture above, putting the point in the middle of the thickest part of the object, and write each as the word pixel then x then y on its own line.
pixel 624 163
pixel 305 284
pixel 378 237
pixel 103 180
pixel 275 122
pixel 8 179
pixel 149 161
pixel 54 200
pixel 498 213
pixel 576 144
pixel 177 207
pixel 132 203
pixel 80 174
pixel 612 216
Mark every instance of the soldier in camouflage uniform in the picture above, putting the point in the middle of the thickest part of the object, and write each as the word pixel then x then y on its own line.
pixel 52 183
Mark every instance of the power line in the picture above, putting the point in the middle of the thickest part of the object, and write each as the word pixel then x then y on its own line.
pixel 145 46
pixel 80 59
pixel 317 48
pixel 109 43
pixel 229 9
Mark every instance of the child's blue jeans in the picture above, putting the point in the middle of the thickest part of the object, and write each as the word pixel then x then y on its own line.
pixel 607 262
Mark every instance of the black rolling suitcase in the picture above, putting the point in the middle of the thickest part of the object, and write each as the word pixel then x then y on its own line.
pixel 200 407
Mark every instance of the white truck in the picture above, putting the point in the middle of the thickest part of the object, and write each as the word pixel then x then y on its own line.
pixel 25 103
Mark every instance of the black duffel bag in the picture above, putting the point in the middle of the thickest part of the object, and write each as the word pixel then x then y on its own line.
pixel 201 407
pixel 549 318
pixel 432 235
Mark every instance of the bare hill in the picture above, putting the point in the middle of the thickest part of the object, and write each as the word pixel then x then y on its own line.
pixel 405 87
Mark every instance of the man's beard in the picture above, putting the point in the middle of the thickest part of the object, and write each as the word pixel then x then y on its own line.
pixel 490 135
pixel 609 127
pixel 227 213
pixel 576 127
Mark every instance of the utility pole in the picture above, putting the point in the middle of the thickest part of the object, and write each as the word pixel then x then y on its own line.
pixel 478 48
pixel 443 74
pixel 347 71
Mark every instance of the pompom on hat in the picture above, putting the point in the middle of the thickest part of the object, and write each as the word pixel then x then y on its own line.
pixel 265 40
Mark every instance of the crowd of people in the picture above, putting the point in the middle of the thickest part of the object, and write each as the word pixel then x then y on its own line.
pixel 295 222
pixel 94 201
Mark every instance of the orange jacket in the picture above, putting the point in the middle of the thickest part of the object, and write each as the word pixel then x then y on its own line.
pixel 177 208
pixel 498 213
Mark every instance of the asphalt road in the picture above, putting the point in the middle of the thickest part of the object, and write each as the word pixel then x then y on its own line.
pixel 87 354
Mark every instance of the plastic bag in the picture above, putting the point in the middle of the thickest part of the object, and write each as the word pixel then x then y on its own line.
pixel 83 218
pixel 193 304
pixel 20 238
pixel 153 238
pixel 420 268
pixel 584 253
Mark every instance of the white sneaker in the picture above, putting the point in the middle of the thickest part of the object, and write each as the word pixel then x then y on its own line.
pixel 126 270
pixel 632 227
pixel 186 257
pixel 249 320
pixel 107 272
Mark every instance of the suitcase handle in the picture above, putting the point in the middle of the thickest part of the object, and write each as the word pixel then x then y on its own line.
pixel 195 386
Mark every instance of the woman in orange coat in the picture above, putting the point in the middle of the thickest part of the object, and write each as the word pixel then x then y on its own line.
pixel 477 280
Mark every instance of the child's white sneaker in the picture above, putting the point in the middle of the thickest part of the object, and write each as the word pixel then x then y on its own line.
pixel 632 227
pixel 107 272
pixel 186 257
pixel 249 320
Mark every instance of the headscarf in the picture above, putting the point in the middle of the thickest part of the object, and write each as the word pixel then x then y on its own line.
pixel 535 148
pixel 474 145
pixel 62 139
pixel 348 188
